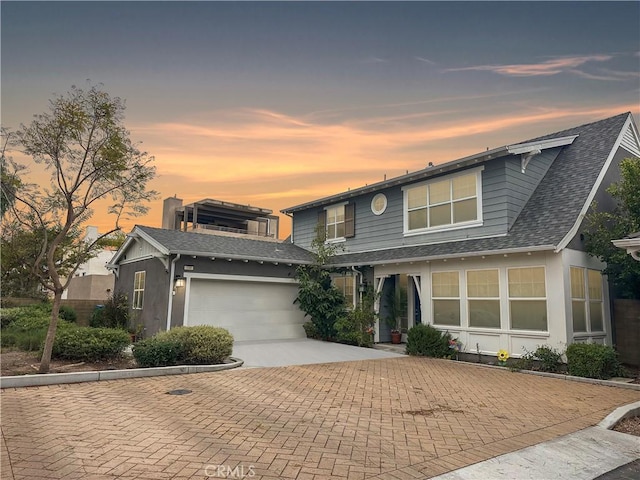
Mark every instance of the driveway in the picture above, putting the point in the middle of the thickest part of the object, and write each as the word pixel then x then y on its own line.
pixel 282 353
pixel 384 419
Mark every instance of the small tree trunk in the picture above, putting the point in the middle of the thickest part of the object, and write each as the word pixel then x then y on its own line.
pixel 51 333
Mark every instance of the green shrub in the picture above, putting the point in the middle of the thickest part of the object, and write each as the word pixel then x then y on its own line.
pixel 27 328
pixel 202 344
pixel 89 344
pixel 156 352
pixel 592 361
pixel 11 315
pixel 544 359
pixel 356 328
pixel 425 340
pixel 113 314
pixel 67 313
pixel 311 330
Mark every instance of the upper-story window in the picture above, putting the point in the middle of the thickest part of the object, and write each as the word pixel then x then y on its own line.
pixel 441 204
pixel 337 222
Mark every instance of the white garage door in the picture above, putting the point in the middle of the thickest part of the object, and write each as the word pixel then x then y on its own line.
pixel 249 310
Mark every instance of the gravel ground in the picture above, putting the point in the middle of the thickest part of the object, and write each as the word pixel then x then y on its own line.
pixel 629 425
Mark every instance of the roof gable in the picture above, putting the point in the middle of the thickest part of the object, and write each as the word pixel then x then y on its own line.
pixel 554 211
pixel 169 242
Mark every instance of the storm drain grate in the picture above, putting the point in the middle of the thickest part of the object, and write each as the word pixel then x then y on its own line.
pixel 180 391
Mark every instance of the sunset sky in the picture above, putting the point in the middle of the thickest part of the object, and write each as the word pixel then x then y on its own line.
pixel 275 104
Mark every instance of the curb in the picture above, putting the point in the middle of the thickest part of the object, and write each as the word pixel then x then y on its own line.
pixel 19 381
pixel 561 376
pixel 594 381
pixel 619 414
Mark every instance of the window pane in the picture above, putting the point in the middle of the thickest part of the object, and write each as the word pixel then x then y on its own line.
pixel 595 285
pixel 418 219
pixel 340 230
pixel 464 187
pixel 340 214
pixel 528 314
pixel 440 215
pixel 484 313
pixel 527 282
pixel 579 316
pixel 439 192
pixel 577 283
pixel 417 196
pixel 446 312
pixel 331 231
pixel 595 316
pixel 445 284
pixel 465 210
pixel 483 283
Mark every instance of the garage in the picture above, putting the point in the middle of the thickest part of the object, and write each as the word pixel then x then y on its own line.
pixel 251 308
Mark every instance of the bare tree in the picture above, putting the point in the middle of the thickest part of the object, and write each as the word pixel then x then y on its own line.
pixel 81 141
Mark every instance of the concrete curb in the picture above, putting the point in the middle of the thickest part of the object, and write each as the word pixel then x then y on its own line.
pixel 620 413
pixel 35 380
pixel 594 381
pixel 561 376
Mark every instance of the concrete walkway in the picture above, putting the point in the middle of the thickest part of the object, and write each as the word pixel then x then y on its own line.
pixel 282 353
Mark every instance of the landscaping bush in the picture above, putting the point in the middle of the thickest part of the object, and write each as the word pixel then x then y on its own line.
pixel 544 359
pixel 26 327
pixel 67 313
pixel 113 314
pixel 592 361
pixel 202 344
pixel 10 315
pixel 311 330
pixel 425 340
pixel 157 352
pixel 89 344
pixel 356 328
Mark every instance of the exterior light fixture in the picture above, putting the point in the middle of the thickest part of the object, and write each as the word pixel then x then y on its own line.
pixel 179 281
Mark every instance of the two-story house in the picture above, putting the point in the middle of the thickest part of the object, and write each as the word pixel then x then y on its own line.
pixel 488 247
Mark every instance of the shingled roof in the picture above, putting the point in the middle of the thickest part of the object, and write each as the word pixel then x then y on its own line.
pixel 549 215
pixel 200 244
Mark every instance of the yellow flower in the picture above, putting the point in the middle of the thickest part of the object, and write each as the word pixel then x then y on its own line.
pixel 503 355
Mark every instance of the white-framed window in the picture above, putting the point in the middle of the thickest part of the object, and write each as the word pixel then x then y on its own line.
pixel 138 289
pixel 527 298
pixel 444 203
pixel 346 284
pixel 379 204
pixel 337 222
pixel 586 300
pixel 483 297
pixel 445 293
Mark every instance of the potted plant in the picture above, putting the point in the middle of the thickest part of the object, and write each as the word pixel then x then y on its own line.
pixel 396 308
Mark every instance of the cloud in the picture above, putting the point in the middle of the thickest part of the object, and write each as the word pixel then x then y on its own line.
pixel 425 60
pixel 374 59
pixel 550 67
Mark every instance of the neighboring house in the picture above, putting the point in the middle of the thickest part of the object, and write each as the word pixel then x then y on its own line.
pixel 488 247
pixel 92 280
pixel 237 279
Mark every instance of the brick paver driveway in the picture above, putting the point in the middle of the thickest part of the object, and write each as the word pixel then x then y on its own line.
pixel 386 419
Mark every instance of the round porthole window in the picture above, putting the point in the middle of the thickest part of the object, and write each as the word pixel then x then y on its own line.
pixel 379 204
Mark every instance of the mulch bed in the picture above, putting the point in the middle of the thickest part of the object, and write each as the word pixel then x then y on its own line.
pixel 629 425
pixel 17 362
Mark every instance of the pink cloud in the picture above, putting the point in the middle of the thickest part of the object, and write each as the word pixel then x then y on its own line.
pixel 547 68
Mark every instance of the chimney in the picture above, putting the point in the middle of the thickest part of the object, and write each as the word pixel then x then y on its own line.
pixel 169 207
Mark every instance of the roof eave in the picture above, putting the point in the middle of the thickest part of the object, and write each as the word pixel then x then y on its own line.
pixel 429 258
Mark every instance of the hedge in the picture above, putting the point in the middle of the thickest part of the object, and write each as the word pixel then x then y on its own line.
pixel 592 360
pixel 90 344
